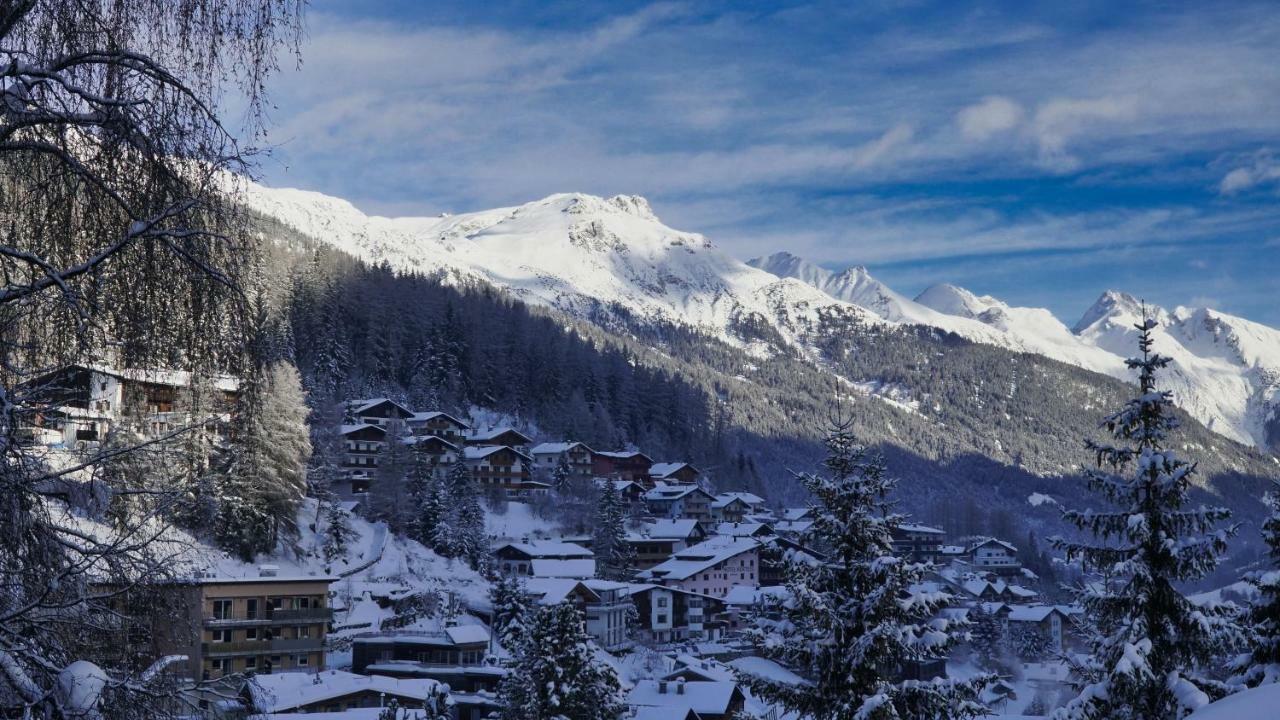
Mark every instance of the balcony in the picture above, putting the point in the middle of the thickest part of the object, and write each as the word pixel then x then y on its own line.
pixel 304 616
pixel 262 647
pixel 297 645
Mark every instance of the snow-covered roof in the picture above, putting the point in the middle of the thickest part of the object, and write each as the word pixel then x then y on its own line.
pixel 796 513
pixel 552 591
pixel 743 529
pixel 467 634
pixel 163 376
pixel 1033 613
pixel 666 529
pixel 1260 703
pixel 556 448
pixel 767 669
pixel 672 492
pixel 745 595
pixel 622 454
pixel 991 541
pixel 706 698
pixel 707 668
pixel 491 433
pixel 750 499
pixel 281 692
pixel 580 568
pixel 690 561
pixel 665 712
pixel 667 469
pixel 422 417
pixel 347 429
pixel 358 406
pixel 922 529
pixel 479 452
pixel 551 549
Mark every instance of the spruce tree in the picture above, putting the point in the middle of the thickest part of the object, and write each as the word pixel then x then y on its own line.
pixel 512 607
pixel 557 675
pixel 560 476
pixel 1148 640
pixel 337 532
pixel 615 557
pixel 854 621
pixel 1261 664
pixel 280 429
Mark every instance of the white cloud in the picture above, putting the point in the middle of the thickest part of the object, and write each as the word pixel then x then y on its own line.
pixel 1264 168
pixel 1061 119
pixel 993 115
pixel 873 152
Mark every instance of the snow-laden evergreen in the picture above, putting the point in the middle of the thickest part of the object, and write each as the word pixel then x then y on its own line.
pixel 615 557
pixel 1261 664
pixel 557 675
pixel 1148 641
pixel 852 623
pixel 512 607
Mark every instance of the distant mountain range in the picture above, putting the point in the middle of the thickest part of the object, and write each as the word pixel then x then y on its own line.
pixel 612 262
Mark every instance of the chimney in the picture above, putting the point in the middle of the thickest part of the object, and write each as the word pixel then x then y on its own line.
pixel 662 687
pixel 680 686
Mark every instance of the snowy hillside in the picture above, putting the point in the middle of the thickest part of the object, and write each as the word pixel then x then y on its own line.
pixel 598 258
pixel 578 253
pixel 1225 370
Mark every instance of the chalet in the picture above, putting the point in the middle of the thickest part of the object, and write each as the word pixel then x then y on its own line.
pixel 456 656
pixel 1051 621
pixel 657 541
pixel 743 529
pixel 631 492
pixel 377 411
pixel 711 567
pixel 79 402
pixel 362 444
pixel 919 543
pixel 622 465
pixel 578 457
pixel 679 501
pixel 603 603
pixel 676 472
pixel 498 466
pixel 797 514
pixel 435 449
pixel 735 506
pixel 520 558
pixel 986 589
pixel 336 691
pixel 742 602
pixel 439 424
pixel 507 436
pixel 994 555
pixel 709 700
pixel 671 615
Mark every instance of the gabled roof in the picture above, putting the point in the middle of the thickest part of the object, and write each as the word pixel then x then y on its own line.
pixel 667 469
pixel 669 493
pixel 666 529
pixel 356 427
pixel 492 433
pixel 750 499
pixel 743 529
pixel 992 541
pixel 579 568
pixel 358 406
pixel 553 591
pixel 703 556
pixel 280 692
pixel 422 417
pixel 705 698
pixel 479 452
pixel 550 549
pixel 921 529
pixel 623 454
pixel 799 513
pixel 1035 613
pixel 720 502
pixel 556 448
pixel 425 439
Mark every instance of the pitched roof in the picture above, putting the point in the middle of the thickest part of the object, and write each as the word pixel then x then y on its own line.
pixel 580 568
pixel 923 529
pixel 355 427
pixel 749 498
pixel 548 549
pixel 358 406
pixel 479 452
pixel 709 698
pixel 278 692
pixel 705 555
pixel 666 529
pixel 667 469
pixel 666 492
pixel 422 439
pixel 556 448
pixel 553 591
pixel 421 417
pixel 992 541
pixel 623 454
pixel 492 433
pixel 743 529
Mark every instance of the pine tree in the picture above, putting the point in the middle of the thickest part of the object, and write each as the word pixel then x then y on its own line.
pixel 280 429
pixel 1147 638
pixel 337 533
pixel 1261 665
pixel 468 525
pixel 853 621
pixel 557 675
pixel 512 606
pixel 986 637
pixel 560 476
pixel 615 557
pixel 388 490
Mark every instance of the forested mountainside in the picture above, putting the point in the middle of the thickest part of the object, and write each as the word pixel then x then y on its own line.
pixel 971 429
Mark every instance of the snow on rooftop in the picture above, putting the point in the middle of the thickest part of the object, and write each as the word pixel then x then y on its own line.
pixel 710 698
pixel 666 469
pixel 580 568
pixel 692 560
pixel 549 549
pixel 282 692
pixel 666 529
pixel 767 669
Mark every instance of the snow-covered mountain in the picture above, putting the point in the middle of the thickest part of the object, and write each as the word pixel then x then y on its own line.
pixel 595 258
pixel 1225 370
pixel 579 253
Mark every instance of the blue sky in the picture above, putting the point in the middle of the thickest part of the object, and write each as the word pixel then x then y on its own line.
pixel 1037 152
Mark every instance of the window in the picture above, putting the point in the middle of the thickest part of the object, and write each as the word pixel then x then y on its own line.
pixel 251 634
pixel 222 609
pixel 251 608
pixel 251 663
pixel 222 636
pixel 662 618
pixel 301 661
pixel 662 602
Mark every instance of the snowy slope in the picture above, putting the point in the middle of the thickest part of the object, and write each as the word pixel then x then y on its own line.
pixel 599 258
pixel 1225 370
pixel 578 253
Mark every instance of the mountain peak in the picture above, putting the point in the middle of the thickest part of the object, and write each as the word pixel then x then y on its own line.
pixel 1120 307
